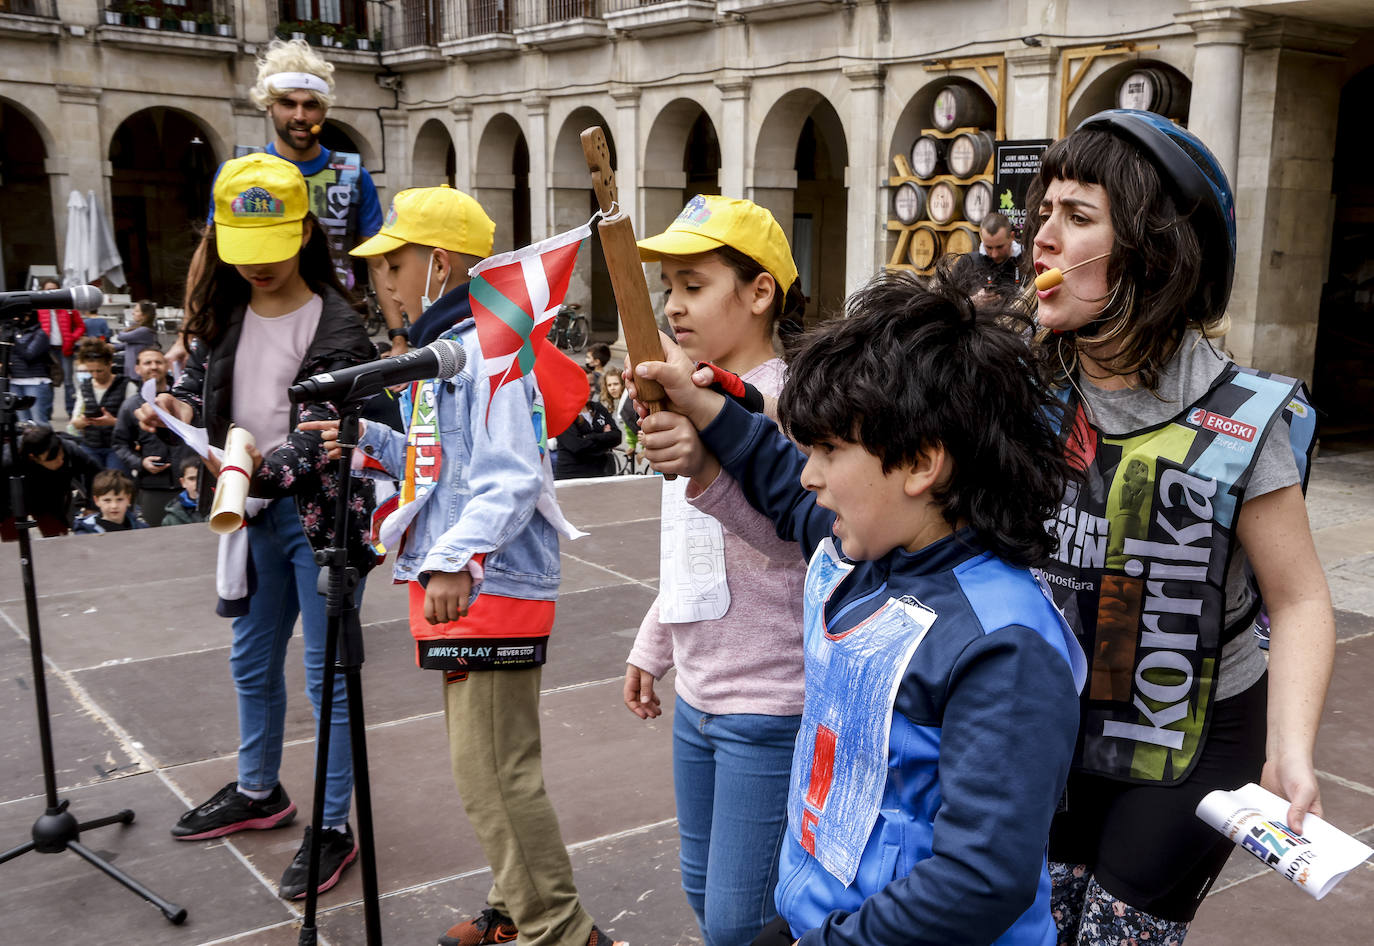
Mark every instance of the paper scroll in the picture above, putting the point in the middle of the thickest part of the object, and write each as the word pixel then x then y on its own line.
pixel 231 488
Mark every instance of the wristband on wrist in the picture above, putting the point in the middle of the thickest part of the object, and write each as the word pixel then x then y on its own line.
pixel 735 388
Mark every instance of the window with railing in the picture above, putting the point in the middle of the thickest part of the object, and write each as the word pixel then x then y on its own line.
pixel 210 17
pixel 44 8
pixel 487 16
pixel 342 23
pixel 421 24
pixel 544 12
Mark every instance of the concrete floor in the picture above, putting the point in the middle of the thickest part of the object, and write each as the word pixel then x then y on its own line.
pixel 143 717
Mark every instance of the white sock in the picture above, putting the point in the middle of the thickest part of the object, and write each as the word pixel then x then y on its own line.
pixel 255 795
pixel 341 828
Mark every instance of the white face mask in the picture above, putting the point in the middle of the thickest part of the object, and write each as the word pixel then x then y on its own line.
pixel 425 300
pixel 82 376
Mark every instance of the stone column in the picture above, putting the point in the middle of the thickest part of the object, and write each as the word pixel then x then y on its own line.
pixel 463 147
pixel 867 191
pixel 1218 70
pixel 1030 72
pixel 79 162
pixel 537 108
pixel 399 173
pixel 734 135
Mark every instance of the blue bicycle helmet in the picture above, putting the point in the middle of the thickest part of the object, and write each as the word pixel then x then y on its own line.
pixel 1197 182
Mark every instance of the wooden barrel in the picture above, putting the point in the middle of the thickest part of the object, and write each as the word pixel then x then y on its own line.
pixel 1153 90
pixel 958 106
pixel 924 247
pixel 909 203
pixel 961 240
pixel 928 155
pixel 977 202
pixel 944 202
pixel 969 153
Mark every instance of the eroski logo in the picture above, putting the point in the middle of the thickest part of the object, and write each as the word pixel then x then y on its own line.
pixel 1221 424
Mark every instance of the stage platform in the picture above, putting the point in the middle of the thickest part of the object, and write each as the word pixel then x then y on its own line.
pixel 144 717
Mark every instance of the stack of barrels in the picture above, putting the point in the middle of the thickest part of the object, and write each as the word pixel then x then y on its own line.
pixel 944 189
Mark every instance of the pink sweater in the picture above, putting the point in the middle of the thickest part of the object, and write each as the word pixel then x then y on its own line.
pixel 750 660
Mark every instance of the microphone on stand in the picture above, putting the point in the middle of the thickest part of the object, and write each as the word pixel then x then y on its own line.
pixel 83 298
pixel 441 360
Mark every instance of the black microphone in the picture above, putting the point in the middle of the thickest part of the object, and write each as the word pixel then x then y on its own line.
pixel 442 359
pixel 83 298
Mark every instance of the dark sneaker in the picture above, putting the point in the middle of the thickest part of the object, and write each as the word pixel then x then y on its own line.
pixel 489 926
pixel 229 811
pixel 337 851
pixel 599 938
pixel 1262 630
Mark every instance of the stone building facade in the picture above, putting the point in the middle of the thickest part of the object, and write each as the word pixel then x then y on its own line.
pixel 799 104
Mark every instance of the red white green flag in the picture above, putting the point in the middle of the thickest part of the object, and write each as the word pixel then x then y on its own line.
pixel 514 298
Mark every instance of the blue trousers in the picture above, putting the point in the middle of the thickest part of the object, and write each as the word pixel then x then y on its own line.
pixel 730 776
pixel 41 412
pixel 286 573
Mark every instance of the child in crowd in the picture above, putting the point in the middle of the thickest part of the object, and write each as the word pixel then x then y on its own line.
pixel 472 518
pixel 941 683
pixel 113 495
pixel 598 357
pixel 736 638
pixel 265 313
pixel 184 507
pixel 100 393
pixel 617 400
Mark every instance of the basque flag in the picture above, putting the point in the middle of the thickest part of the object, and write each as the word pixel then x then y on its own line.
pixel 514 298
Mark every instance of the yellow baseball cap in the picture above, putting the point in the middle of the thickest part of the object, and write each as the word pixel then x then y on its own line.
pixel 708 222
pixel 260 201
pixel 433 216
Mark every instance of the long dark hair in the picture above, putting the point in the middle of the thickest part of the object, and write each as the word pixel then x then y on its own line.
pixel 1154 273
pixel 789 305
pixel 914 365
pixel 218 289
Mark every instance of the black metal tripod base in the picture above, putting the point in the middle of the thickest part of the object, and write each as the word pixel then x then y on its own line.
pixel 57 831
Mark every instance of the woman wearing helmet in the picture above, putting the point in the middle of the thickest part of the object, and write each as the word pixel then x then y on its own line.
pixel 1188 522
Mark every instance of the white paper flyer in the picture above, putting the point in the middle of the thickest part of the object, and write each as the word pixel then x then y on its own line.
pixel 1254 818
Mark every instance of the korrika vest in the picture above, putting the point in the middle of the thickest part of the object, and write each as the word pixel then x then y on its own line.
pixel 1145 542
pixel 335 193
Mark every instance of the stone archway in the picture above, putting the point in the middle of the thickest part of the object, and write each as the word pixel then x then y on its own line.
pixel 681 160
pixel 573 202
pixel 501 183
pixel 434 159
pixel 163 166
pixel 27 233
pixel 799 174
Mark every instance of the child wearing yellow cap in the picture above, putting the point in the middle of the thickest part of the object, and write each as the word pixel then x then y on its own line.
pixel 268 313
pixel 737 645
pixel 481 561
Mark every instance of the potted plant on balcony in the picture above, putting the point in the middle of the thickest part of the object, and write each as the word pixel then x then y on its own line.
pixel 224 24
pixel 205 22
pixel 326 33
pixel 347 38
pixel 291 29
pixel 187 20
pixel 114 12
pixel 151 18
pixel 364 42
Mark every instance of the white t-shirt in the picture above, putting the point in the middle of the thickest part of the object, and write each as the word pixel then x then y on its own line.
pixel 269 356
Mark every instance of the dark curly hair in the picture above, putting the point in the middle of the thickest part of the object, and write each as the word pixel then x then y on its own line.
pixel 1154 274
pixel 914 365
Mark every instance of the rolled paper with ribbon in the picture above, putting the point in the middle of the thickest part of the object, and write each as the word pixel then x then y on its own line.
pixel 231 488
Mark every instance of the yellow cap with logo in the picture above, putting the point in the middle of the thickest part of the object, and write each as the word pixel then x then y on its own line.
pixel 709 222
pixel 260 201
pixel 433 216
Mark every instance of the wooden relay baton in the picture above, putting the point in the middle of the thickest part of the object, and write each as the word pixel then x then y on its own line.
pixel 617 235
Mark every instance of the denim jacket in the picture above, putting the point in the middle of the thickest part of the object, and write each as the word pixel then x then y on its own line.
pixel 490 479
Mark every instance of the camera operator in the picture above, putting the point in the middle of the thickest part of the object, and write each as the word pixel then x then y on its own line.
pixel 52 464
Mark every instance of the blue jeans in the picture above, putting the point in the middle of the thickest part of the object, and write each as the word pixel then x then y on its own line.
pixel 730 776
pixel 286 574
pixel 69 382
pixel 41 412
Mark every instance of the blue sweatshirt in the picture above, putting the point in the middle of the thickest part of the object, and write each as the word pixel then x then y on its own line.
pixel 974 748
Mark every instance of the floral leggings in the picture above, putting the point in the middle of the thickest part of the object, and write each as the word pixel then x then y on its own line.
pixel 1086 915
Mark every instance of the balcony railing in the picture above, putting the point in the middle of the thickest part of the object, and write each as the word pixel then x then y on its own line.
pixel 533 13
pixel 420 24
pixel 342 24
pixel 46 9
pixel 617 6
pixel 207 17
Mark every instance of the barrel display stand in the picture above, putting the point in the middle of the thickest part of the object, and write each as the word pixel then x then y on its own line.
pixel 905 175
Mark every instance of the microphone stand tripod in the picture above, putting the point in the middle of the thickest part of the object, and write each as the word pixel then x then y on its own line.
pixel 343 646
pixel 57 830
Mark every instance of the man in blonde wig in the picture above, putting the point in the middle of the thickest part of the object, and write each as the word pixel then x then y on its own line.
pixel 295 86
